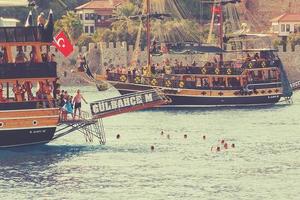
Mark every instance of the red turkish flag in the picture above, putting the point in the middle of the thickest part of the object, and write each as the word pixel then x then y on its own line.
pixel 63 44
pixel 216 9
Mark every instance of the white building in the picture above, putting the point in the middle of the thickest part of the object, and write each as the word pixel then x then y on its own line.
pixel 97 14
pixel 286 24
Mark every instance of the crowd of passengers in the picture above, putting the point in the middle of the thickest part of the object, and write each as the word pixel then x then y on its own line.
pixel 48 95
pixel 23 92
pixel 21 57
pixel 70 105
pixel 177 67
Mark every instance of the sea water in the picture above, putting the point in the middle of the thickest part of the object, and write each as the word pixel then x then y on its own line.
pixel 265 164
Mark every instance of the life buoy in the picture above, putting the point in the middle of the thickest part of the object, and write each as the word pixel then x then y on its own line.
pixel 263 64
pixel 181 84
pixel 236 93
pixel 242 92
pixel 229 72
pixel 123 78
pixel 270 91
pixel 203 93
pixel 137 80
pixel 168 83
pixel 203 71
pixel 154 82
pixel 250 65
pixel 220 93
pixel 217 71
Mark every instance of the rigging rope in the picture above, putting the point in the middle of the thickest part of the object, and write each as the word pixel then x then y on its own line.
pixel 209 40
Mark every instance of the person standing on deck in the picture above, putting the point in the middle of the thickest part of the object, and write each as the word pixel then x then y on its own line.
pixel 1 92
pixel 77 103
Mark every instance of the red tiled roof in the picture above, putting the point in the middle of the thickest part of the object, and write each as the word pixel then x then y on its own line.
pixel 287 18
pixel 100 4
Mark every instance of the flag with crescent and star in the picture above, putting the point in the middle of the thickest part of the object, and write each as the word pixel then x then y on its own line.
pixel 63 44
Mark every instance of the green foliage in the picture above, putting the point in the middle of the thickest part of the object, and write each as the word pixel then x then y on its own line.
pixel 123 29
pixel 294 39
pixel 70 24
pixel 84 40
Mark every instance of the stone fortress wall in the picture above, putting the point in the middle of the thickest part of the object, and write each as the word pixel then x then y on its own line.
pixel 101 55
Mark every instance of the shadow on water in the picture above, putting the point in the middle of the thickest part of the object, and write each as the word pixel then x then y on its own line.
pixel 43 155
pixel 34 163
pixel 43 166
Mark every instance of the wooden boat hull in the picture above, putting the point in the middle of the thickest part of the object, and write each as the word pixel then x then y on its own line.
pixel 27 126
pixel 22 137
pixel 192 98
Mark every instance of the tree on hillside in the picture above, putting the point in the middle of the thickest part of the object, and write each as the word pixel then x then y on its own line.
pixel 124 26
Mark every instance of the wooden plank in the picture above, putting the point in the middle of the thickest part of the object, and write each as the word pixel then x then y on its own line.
pixel 27 113
pixel 31 122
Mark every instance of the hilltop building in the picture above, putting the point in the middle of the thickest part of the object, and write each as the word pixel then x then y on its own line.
pixel 97 14
pixel 286 24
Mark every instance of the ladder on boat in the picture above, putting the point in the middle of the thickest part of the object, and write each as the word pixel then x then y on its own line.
pixel 91 128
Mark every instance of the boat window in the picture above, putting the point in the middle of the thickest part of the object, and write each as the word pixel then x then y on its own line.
pixel 282 27
pixel 3 55
pixel 24 91
pixel 20 55
pixel 288 28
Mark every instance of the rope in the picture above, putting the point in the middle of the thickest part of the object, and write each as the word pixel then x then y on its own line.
pixel 211 24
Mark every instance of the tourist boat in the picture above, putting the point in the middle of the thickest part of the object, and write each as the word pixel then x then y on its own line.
pixel 254 77
pixel 28 112
pixel 29 106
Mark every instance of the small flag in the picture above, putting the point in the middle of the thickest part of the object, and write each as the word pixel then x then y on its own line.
pixel 62 43
pixel 216 9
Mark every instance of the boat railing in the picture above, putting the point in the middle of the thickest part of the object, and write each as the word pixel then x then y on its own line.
pixel 185 81
pixel 207 70
pixel 28 70
pixel 252 86
pixel 24 34
pixel 261 63
pixel 11 104
pixel 170 81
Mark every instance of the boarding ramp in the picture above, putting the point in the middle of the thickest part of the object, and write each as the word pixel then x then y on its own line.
pixel 128 103
pixel 91 125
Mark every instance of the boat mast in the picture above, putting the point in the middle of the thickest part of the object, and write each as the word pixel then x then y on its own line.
pixel 148 36
pixel 221 32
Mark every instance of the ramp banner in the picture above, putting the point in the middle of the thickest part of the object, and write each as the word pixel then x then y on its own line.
pixel 126 103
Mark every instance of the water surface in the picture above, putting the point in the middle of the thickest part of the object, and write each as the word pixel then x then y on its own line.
pixel 264 165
